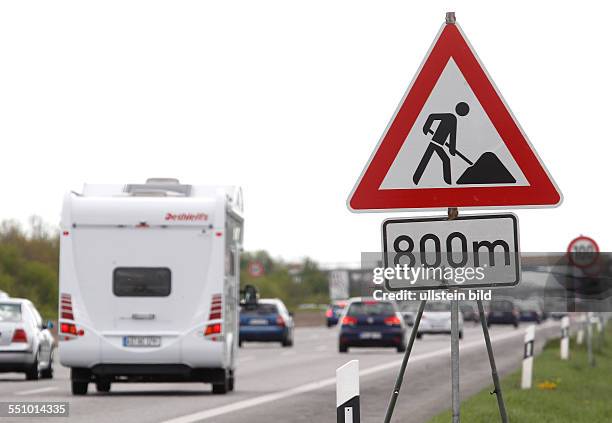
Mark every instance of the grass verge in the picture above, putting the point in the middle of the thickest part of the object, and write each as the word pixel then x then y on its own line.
pixel 577 392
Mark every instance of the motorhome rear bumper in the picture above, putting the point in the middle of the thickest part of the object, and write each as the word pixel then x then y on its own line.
pixel 148 373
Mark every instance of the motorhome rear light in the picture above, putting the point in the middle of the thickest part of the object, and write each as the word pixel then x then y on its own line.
pixel 213 329
pixel 66 233
pixel 66 315
pixel 393 321
pixel 349 321
pixel 280 321
pixel 68 328
pixel 216 307
pixel 19 336
pixel 142 225
pixel 219 234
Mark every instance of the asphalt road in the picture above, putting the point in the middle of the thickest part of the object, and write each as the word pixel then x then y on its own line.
pixel 275 384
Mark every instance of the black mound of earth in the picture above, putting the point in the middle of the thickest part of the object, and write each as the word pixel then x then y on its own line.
pixel 488 169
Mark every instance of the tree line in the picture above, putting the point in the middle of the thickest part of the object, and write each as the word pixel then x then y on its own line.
pixel 29 268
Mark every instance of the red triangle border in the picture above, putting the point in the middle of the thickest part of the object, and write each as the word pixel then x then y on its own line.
pixel 542 192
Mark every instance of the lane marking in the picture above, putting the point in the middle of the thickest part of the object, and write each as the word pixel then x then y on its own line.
pixel 37 391
pixel 312 386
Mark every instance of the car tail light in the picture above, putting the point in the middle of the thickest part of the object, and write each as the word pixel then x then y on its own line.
pixel 393 321
pixel 215 307
pixel 19 336
pixel 328 313
pixel 280 321
pixel 349 321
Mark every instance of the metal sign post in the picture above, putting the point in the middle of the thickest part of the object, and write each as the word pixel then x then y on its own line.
pixel 498 390
pixel 455 398
pixel 400 376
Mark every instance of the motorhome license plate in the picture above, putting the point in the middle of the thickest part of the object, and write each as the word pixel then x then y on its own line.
pixel 142 341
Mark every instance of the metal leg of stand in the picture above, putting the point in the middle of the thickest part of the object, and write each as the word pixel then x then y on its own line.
pixel 400 376
pixel 498 391
pixel 455 400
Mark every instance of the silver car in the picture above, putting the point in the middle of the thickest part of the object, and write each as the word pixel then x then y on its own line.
pixel 26 344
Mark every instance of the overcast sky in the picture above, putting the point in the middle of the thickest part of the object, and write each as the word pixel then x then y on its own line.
pixel 288 100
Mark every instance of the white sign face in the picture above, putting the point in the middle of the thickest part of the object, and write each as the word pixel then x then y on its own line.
pixel 421 160
pixel 339 284
pixel 436 253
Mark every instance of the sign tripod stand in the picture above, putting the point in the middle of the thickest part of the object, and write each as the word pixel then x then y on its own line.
pixel 455 400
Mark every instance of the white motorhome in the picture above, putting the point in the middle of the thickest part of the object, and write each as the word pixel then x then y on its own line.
pixel 149 284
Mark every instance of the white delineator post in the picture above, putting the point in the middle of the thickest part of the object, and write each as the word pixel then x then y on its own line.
pixel 527 375
pixel 580 333
pixel 565 324
pixel 347 393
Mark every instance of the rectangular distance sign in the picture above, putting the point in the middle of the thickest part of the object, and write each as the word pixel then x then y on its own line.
pixel 478 251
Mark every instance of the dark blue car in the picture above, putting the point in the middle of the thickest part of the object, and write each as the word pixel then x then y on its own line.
pixel 371 323
pixel 333 313
pixel 266 321
pixel 503 312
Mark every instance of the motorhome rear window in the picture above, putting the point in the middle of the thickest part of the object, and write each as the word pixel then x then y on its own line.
pixel 10 312
pixel 141 282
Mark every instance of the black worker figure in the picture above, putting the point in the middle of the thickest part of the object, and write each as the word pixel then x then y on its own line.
pixel 446 130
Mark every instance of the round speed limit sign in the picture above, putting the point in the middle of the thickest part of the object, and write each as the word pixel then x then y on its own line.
pixel 583 251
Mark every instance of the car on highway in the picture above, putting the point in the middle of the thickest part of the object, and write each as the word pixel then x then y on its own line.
pixel 266 321
pixel 503 312
pixel 530 312
pixel 408 310
pixel 469 312
pixel 333 313
pixel 436 319
pixel 26 343
pixel 150 283
pixel 370 323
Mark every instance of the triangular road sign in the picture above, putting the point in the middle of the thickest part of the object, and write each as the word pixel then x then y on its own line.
pixel 453 142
